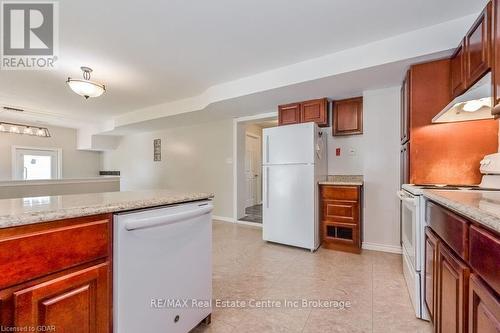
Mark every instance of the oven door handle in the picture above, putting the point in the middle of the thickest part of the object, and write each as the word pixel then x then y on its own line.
pixel 406 198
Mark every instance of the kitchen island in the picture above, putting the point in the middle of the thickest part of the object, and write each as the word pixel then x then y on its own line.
pixel 56 257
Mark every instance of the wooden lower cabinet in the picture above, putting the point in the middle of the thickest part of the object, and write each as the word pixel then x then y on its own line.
pixel 60 276
pixel 452 292
pixel 484 307
pixel 457 295
pixel 78 302
pixel 431 243
pixel 341 220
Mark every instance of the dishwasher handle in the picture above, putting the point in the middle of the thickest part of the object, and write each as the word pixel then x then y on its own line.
pixel 168 219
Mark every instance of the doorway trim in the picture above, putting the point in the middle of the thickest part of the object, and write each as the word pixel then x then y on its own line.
pixel 236 123
pixel 13 161
pixel 259 138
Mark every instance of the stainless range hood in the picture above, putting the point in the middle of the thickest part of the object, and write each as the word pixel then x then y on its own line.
pixel 474 104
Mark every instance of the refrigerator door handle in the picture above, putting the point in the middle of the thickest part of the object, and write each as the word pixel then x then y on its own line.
pixel 267 148
pixel 267 187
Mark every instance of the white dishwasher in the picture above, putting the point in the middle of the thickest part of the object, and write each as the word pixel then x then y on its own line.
pixel 162 268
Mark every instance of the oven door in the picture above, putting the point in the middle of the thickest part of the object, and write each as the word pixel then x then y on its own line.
pixel 409 223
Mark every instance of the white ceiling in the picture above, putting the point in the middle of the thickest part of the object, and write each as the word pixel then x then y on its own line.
pixel 150 52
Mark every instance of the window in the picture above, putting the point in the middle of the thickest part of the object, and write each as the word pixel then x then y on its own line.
pixel 36 163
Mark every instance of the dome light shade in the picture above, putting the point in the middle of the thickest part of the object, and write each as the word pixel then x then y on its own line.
pixel 85 87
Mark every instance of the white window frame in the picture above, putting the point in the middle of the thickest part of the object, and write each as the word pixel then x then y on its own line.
pixel 58 151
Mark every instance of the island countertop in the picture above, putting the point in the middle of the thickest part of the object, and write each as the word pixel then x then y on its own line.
pixel 22 211
pixel 482 207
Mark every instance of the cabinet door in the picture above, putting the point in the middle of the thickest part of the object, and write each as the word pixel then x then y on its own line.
pixel 78 302
pixel 458 84
pixel 405 109
pixel 484 308
pixel 478 47
pixel 315 111
pixel 289 114
pixel 431 243
pixel 452 292
pixel 496 57
pixel 348 116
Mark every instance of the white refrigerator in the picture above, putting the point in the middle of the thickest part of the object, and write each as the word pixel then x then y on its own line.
pixel 294 160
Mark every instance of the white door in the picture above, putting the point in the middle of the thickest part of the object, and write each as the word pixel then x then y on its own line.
pixel 252 170
pixel 289 144
pixel 31 164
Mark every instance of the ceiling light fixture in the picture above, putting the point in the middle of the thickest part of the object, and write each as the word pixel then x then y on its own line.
pixel 85 87
pixel 24 129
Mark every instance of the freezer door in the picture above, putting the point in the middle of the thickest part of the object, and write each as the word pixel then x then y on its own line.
pixel 289 144
pixel 289 214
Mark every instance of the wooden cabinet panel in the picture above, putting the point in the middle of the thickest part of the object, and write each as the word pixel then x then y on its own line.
pixel 289 114
pixel 478 47
pixel 77 302
pixel 496 57
pixel 338 192
pixel 484 308
pixel 405 164
pixel 431 244
pixel 451 228
pixel 405 109
pixel 29 252
pixel 458 74
pixel 341 211
pixel 341 218
pixel 348 116
pixel 315 111
pixel 484 256
pixel 452 292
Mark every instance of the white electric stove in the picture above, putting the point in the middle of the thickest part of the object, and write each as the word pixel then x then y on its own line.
pixel 413 226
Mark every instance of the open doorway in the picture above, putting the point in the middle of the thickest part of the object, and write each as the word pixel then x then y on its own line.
pixel 249 168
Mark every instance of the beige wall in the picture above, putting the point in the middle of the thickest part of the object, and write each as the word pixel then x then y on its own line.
pixel 375 154
pixel 195 158
pixel 75 163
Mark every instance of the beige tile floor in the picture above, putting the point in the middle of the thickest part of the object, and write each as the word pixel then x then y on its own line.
pixel 245 268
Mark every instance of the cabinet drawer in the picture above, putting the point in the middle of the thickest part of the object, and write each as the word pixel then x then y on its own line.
pixel 484 254
pixel 341 211
pixel 340 192
pixel 451 228
pixel 29 252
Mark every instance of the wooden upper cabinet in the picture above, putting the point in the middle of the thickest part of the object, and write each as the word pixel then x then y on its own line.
pixel 309 111
pixel 478 47
pixel 316 111
pixel 289 114
pixel 431 244
pixel 484 308
pixel 348 116
pixel 78 302
pixel 496 57
pixel 457 68
pixel 452 292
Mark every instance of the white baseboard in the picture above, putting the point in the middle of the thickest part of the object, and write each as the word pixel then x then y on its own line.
pixel 382 248
pixel 223 218
pixel 232 220
pixel 253 224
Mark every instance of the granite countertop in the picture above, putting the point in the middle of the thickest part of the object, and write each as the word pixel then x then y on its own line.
pixel 22 211
pixel 352 180
pixel 480 206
